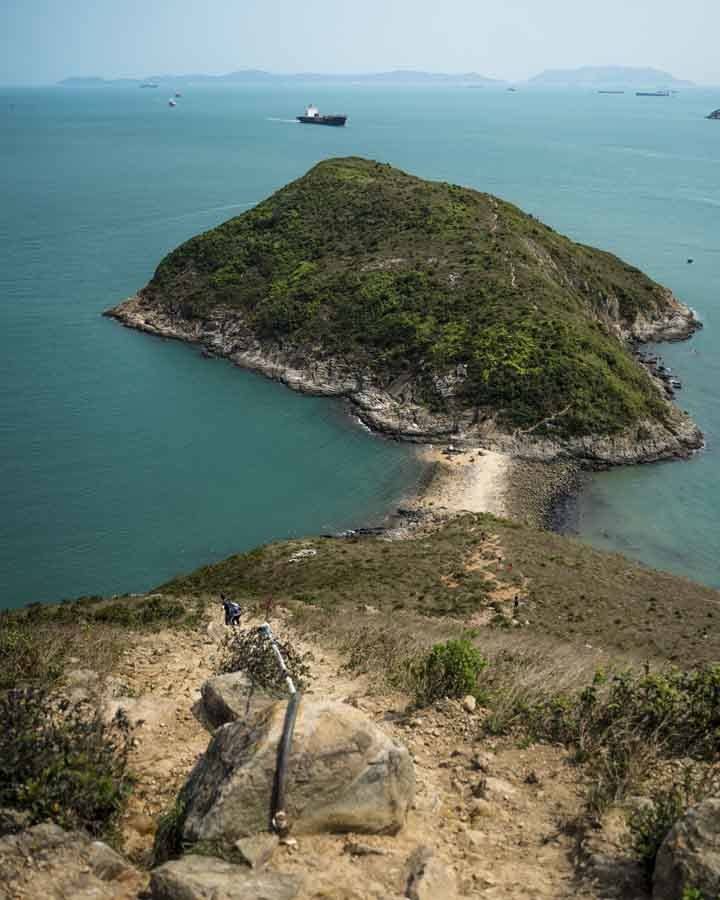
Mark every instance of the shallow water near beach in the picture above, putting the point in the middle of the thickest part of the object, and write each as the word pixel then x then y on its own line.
pixel 126 459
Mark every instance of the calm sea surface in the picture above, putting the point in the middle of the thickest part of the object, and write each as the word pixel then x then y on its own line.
pixel 126 459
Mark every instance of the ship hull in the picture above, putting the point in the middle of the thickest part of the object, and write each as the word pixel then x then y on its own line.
pixel 322 120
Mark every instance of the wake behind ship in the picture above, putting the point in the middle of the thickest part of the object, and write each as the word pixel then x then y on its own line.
pixel 312 117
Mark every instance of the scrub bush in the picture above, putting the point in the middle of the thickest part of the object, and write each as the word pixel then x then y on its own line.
pixel 62 761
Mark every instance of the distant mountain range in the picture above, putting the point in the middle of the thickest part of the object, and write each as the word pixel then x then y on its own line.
pixel 584 77
pixel 254 76
pixel 608 77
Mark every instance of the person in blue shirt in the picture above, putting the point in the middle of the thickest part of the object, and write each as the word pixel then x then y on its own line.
pixel 233 611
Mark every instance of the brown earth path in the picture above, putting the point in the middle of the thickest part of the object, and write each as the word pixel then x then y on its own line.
pixel 493 813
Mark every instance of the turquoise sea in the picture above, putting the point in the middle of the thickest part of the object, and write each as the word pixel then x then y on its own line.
pixel 126 459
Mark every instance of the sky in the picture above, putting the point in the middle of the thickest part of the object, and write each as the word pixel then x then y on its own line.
pixel 42 41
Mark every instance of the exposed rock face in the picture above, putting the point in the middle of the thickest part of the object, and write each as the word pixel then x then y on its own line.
pixel 227 698
pixel 207 878
pixel 690 855
pixel 396 410
pixel 344 774
pixel 49 863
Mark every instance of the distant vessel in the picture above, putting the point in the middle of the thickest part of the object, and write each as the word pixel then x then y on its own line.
pixel 652 93
pixel 178 94
pixel 147 84
pixel 312 117
pixel 172 103
pixel 611 92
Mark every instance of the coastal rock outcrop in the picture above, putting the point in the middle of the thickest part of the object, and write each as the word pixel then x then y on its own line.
pixel 198 877
pixel 439 313
pixel 715 114
pixel 227 698
pixel 344 774
pixel 53 864
pixel 689 857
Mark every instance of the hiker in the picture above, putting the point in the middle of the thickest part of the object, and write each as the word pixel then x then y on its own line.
pixel 233 611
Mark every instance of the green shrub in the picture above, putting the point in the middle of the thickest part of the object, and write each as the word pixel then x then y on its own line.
pixel 30 654
pixel 621 725
pixel 451 669
pixel 62 761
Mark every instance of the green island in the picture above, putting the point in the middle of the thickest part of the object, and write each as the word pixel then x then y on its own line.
pixel 437 310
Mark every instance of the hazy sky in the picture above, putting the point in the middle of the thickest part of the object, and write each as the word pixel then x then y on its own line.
pixel 45 40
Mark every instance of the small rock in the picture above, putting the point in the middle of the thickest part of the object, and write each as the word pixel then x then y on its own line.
pixel 257 850
pixel 197 877
pixel 355 848
pixel 481 762
pixel 469 703
pixel 231 697
pixel 428 878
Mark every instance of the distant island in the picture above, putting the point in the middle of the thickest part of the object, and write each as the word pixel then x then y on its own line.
pixel 439 312
pixel 584 77
pixel 259 76
pixel 608 77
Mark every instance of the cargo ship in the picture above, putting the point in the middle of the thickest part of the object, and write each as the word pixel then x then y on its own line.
pixel 312 117
pixel 652 93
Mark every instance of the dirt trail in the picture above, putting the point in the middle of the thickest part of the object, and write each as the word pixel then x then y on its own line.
pixel 493 813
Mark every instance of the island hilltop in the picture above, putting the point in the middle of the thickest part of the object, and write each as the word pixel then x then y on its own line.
pixel 440 313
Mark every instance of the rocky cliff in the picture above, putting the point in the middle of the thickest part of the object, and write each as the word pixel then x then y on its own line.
pixel 439 312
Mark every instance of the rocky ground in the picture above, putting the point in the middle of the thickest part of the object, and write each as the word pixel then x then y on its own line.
pixel 496 817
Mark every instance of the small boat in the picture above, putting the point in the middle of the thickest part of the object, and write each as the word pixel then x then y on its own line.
pixel 149 84
pixel 652 93
pixel 312 117
pixel 178 94
pixel 172 103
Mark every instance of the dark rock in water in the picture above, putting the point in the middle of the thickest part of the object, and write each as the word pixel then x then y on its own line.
pixel 715 114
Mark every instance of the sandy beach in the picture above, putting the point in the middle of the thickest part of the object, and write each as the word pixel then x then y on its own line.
pixel 470 480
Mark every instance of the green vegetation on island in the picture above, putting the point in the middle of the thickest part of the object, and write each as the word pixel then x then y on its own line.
pixel 484 311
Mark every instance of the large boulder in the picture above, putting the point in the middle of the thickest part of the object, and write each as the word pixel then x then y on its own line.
pixel 227 698
pixel 197 877
pixel 689 857
pixel 53 864
pixel 344 774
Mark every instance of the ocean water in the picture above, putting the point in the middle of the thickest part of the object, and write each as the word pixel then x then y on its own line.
pixel 126 459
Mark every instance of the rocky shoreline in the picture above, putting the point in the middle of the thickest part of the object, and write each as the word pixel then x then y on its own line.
pixel 392 409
